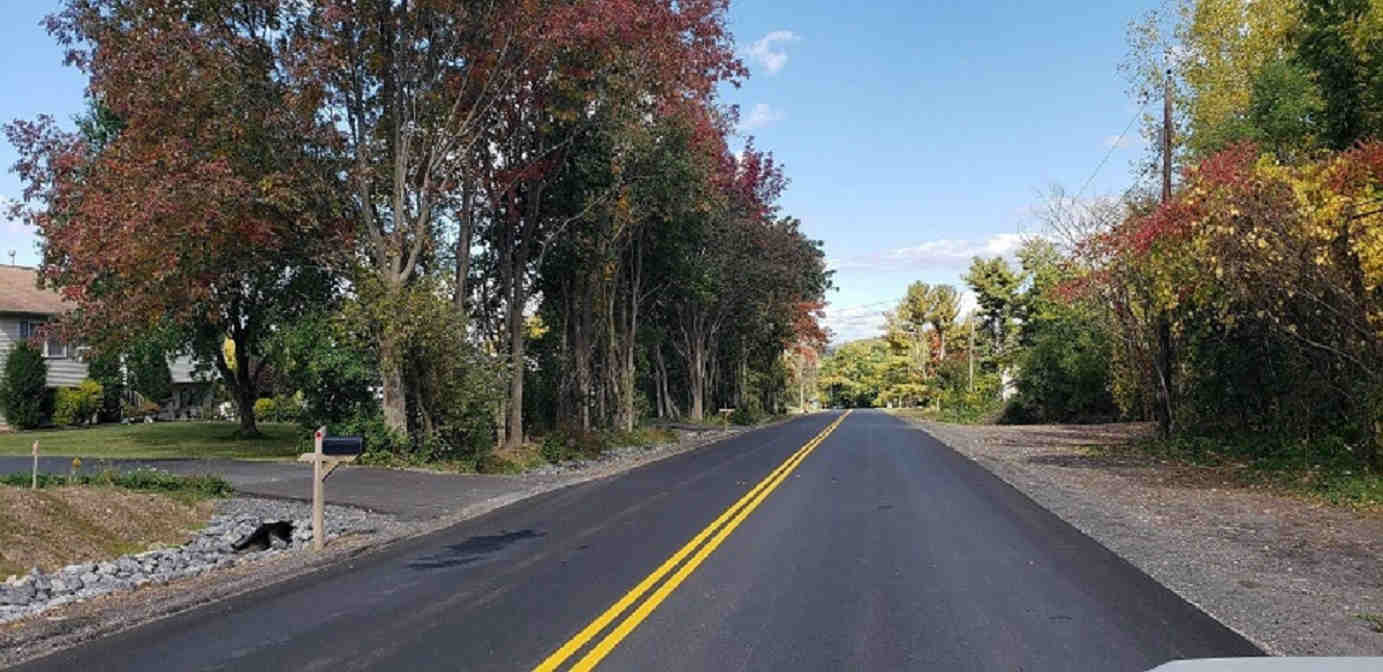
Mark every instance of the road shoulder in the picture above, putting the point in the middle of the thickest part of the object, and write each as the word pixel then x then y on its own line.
pixel 1292 576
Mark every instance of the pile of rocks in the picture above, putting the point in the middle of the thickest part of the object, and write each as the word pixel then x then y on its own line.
pixel 210 548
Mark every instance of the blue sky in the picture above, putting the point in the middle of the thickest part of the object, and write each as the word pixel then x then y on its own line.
pixel 915 134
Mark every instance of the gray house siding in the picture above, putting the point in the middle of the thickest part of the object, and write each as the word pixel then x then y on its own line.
pixel 69 370
pixel 62 371
pixel 184 368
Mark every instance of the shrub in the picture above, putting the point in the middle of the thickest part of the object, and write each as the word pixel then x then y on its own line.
pixel 24 392
pixel 561 446
pixel 264 408
pixel 744 416
pixel 287 408
pixel 104 368
pixel 77 405
pixel 554 448
pixel 382 444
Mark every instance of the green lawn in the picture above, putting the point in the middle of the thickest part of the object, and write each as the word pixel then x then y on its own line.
pixel 160 439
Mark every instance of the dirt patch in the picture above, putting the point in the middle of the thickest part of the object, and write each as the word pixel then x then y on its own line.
pixel 1293 575
pixel 52 527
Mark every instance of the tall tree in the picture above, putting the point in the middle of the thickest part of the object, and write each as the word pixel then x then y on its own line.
pixel 207 207
pixel 944 306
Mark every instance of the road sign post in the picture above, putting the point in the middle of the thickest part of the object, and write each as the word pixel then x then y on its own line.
pixel 34 483
pixel 327 454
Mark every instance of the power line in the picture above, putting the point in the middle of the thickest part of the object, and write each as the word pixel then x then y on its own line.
pixel 1113 146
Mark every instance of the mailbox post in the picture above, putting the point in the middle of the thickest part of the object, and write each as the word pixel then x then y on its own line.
pixel 326 456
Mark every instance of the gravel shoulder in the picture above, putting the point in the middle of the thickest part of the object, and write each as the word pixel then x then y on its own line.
pixel 352 532
pixel 1291 575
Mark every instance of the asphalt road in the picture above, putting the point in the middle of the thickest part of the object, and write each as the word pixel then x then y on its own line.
pixel 881 549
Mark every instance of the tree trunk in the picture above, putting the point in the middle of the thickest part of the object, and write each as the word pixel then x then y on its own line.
pixel 514 440
pixel 395 405
pixel 464 239
pixel 245 388
pixel 669 405
pixel 1165 401
pixel 246 403
pixel 581 352
pixel 499 424
pixel 696 374
pixel 420 401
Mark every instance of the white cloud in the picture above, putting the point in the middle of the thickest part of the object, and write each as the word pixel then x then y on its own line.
pixel 769 53
pixel 943 254
pixel 851 323
pixel 1112 141
pixel 760 115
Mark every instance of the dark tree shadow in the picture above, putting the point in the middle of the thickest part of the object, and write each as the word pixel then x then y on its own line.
pixel 472 550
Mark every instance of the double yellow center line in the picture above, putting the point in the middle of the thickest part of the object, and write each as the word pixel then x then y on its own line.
pixel 717 531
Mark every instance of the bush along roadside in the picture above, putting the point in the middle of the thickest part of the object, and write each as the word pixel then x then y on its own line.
pixel 213 547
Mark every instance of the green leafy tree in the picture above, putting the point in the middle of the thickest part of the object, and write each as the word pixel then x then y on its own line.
pixel 105 369
pixel 1286 110
pixel 149 374
pixel 944 306
pixel 996 287
pixel 1342 53
pixel 25 386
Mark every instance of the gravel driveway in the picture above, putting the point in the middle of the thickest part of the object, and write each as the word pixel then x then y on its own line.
pixel 1291 575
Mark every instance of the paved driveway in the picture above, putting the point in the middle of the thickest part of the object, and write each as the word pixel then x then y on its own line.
pixel 410 495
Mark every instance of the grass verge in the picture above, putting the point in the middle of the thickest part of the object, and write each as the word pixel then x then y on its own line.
pixel 159 440
pixel 957 415
pixel 186 488
pixel 1323 470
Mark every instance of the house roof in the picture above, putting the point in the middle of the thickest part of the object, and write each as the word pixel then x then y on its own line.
pixel 19 293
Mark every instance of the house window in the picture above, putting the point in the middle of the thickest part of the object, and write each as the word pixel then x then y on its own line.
pixel 52 347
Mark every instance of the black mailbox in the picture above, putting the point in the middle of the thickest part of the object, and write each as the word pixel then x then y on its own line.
pixel 342 445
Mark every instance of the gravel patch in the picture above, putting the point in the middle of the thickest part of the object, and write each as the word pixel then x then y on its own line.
pixel 212 547
pixel 1291 575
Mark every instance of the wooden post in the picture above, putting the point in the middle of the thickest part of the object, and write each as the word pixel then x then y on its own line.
pixel 318 525
pixel 34 485
pixel 322 466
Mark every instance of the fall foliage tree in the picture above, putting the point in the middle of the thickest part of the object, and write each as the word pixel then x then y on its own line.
pixel 205 206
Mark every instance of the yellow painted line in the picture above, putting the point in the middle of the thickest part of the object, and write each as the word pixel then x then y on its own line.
pixel 735 514
pixel 561 655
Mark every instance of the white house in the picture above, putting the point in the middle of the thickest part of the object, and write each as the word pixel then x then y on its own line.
pixel 24 307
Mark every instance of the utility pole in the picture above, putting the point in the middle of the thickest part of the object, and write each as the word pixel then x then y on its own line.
pixel 971 350
pixel 1167 137
pixel 1164 322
